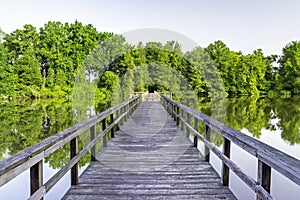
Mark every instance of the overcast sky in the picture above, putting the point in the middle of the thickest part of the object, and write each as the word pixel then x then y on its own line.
pixel 242 25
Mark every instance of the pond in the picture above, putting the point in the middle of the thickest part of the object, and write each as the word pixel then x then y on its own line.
pixel 273 121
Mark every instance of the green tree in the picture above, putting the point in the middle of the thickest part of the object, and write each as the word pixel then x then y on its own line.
pixel 107 56
pixel 289 70
pixel 109 80
pixel 202 73
pixel 5 71
pixel 226 62
pixel 127 84
pixel 22 61
pixel 63 49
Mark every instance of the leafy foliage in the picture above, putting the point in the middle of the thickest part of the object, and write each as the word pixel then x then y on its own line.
pixel 44 63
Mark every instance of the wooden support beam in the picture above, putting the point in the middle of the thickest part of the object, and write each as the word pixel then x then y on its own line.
pixel 178 113
pixel 173 109
pixel 264 176
pixel 92 136
pixel 127 108
pixel 188 120
pixel 225 171
pixel 206 149
pixel 105 136
pixel 181 123
pixel 196 124
pixel 117 115
pixel 74 169
pixel 36 177
pixel 121 112
pixel 112 131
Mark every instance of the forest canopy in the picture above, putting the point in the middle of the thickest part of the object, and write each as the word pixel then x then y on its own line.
pixel 43 63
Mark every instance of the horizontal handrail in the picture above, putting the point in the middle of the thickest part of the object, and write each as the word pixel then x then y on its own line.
pixel 32 156
pixel 268 156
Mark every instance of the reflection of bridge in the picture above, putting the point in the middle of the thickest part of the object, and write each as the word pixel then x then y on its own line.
pixel 149 157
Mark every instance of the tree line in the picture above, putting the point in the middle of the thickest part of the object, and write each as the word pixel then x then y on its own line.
pixel 44 63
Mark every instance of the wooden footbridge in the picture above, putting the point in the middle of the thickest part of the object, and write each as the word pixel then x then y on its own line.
pixel 150 156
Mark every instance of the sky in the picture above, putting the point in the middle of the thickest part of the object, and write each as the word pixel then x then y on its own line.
pixel 243 25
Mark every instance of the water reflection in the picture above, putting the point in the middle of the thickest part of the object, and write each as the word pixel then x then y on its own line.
pixel 23 124
pixel 256 114
pixel 26 123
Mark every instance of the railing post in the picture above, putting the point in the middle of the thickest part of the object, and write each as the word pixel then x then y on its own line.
pixel 173 109
pixel 133 106
pixel 74 169
pixel 177 118
pixel 127 111
pixel 188 119
pixel 182 117
pixel 264 176
pixel 206 149
pixel 121 113
pixel 124 111
pixel 36 177
pixel 167 106
pixel 138 101
pixel 225 171
pixel 130 108
pixel 117 116
pixel 105 136
pixel 196 129
pixel 112 132
pixel 92 137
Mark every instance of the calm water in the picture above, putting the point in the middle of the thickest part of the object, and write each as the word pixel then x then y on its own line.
pixel 273 121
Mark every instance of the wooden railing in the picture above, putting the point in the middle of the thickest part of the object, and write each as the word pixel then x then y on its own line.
pixel 268 157
pixel 33 156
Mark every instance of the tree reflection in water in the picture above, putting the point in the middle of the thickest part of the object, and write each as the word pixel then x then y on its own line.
pixel 23 124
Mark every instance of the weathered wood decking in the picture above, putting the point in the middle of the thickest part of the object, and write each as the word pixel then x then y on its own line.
pixel 149 158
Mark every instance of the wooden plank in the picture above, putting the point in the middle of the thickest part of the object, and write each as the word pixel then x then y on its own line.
pixel 148 197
